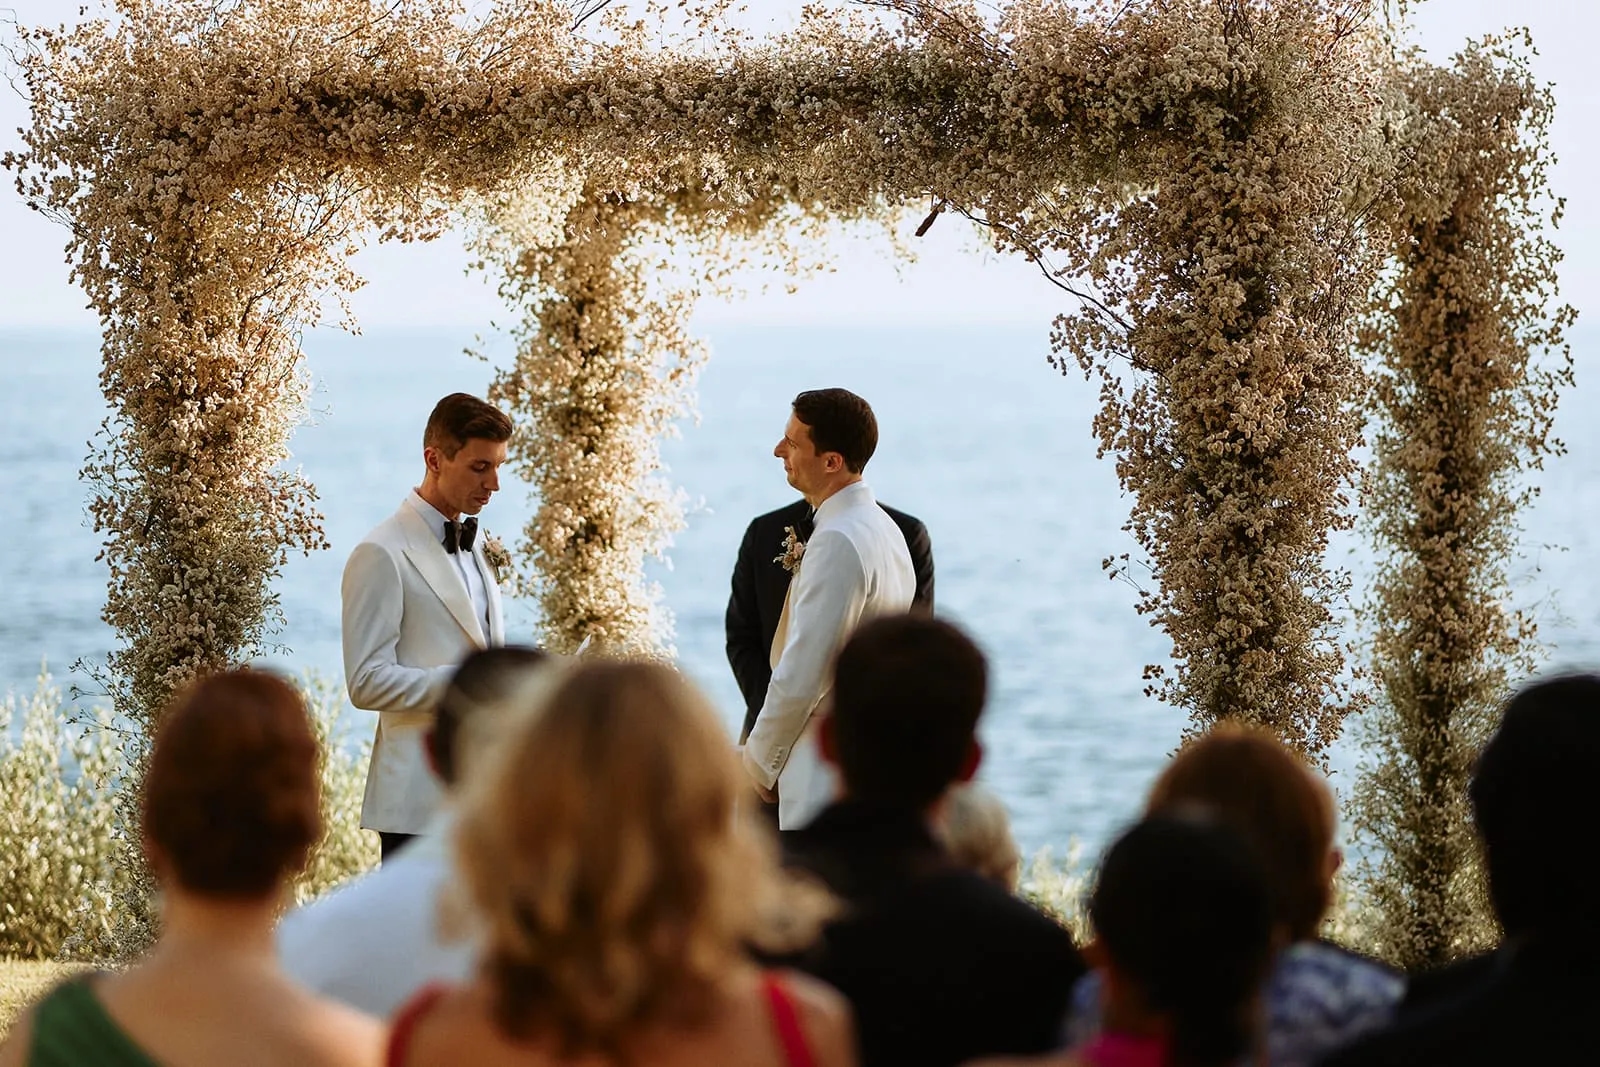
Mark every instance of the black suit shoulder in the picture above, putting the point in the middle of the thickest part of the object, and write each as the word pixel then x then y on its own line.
pixel 778 518
pixel 909 524
pixel 921 548
pixel 1531 1006
pixel 947 968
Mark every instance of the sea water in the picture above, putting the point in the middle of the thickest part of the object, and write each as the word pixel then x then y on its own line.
pixel 980 438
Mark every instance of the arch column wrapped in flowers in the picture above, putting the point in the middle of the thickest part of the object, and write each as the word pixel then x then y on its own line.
pixel 1462 407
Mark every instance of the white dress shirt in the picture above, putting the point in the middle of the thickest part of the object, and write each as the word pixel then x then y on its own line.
pixel 856 565
pixel 466 564
pixel 373 943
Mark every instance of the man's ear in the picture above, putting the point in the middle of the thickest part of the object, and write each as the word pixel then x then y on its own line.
pixel 971 762
pixel 828 741
pixel 431 458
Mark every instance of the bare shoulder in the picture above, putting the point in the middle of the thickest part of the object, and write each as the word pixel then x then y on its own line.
pixel 339 1036
pixel 17 1042
pixel 826 1018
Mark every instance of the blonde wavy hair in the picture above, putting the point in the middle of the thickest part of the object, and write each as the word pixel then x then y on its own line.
pixel 614 885
pixel 976 829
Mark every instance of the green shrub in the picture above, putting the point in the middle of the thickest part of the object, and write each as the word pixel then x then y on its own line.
pixel 345 849
pixel 65 890
pixel 1059 888
pixel 58 829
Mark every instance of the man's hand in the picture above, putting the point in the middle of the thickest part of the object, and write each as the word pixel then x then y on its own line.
pixel 770 796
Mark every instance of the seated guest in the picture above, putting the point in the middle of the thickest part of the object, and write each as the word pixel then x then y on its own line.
pixel 617 894
pixel 940 963
pixel 375 942
pixel 230 813
pixel 1535 807
pixel 977 832
pixel 1183 929
pixel 1318 996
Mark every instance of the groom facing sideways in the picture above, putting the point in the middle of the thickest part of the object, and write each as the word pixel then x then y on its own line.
pixel 418 597
pixel 761 583
pixel 854 566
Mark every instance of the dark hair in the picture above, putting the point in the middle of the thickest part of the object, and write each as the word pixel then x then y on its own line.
pixel 1183 911
pixel 231 794
pixel 907 694
pixel 462 417
pixel 1252 782
pixel 485 677
pixel 1534 803
pixel 840 422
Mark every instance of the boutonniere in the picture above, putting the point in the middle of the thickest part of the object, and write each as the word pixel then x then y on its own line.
pixel 496 556
pixel 794 550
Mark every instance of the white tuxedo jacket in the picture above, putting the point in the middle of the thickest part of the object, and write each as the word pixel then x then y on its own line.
pixel 408 621
pixel 856 565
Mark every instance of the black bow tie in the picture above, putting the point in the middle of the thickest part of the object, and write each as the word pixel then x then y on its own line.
pixel 458 537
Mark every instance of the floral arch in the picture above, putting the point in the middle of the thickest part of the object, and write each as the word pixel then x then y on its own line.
pixel 1243 201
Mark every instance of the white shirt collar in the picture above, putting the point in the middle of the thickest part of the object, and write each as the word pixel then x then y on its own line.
pixel 854 495
pixel 430 514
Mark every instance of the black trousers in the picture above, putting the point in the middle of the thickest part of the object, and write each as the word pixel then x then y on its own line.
pixel 389 844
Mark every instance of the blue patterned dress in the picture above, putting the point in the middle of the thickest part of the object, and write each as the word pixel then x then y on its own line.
pixel 1318 998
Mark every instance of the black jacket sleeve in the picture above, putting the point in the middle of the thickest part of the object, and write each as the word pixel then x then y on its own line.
pixel 750 660
pixel 921 547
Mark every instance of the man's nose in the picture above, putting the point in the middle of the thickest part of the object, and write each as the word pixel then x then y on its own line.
pixel 777 450
pixel 493 484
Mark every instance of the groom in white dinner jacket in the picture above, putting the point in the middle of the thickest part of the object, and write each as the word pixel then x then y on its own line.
pixel 418 596
pixel 854 566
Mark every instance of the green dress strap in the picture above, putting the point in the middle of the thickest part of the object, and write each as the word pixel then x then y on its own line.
pixel 71 1029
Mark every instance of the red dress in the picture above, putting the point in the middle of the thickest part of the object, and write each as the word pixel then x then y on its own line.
pixel 780 1003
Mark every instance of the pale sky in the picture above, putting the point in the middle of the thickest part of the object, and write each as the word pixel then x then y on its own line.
pixel 953 280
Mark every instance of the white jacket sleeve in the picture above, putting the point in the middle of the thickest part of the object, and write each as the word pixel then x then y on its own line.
pixel 373 603
pixel 827 598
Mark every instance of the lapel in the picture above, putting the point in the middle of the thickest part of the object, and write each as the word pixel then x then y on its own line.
pixel 775 653
pixel 431 561
pixel 497 622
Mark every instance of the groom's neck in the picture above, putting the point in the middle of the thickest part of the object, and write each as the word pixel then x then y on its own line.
pixel 429 492
pixel 829 490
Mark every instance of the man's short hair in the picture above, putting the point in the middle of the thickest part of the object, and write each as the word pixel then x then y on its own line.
pixel 907 694
pixel 462 417
pixel 840 422
pixel 1536 807
pixel 486 678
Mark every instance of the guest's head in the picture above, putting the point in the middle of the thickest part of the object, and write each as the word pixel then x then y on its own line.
pixel 463 446
pixel 1184 931
pixel 230 799
pixel 1536 807
pixel 907 694
pixel 483 693
pixel 976 831
pixel 1248 779
pixel 604 863
pixel 830 436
